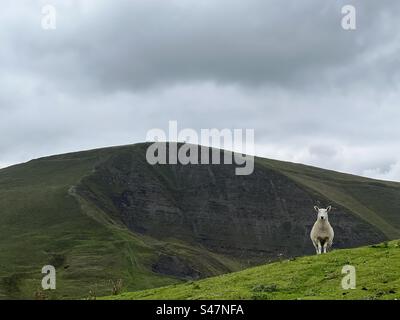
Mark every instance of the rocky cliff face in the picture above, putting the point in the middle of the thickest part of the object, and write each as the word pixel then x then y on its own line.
pixel 106 214
pixel 255 218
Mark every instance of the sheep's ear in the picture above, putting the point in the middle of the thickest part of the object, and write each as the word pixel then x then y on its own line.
pixel 329 208
pixel 316 208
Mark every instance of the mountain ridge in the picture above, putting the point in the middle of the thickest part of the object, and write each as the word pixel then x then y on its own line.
pixel 106 214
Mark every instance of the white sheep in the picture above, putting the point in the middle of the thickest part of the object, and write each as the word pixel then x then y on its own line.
pixel 322 232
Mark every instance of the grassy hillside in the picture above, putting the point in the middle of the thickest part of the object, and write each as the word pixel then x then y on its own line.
pixel 48 216
pixel 314 277
pixel 43 221
pixel 375 201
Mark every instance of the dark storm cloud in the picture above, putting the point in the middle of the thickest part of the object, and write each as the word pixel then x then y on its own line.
pixel 139 44
pixel 313 92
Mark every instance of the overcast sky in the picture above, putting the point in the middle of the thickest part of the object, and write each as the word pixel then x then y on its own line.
pixel 111 70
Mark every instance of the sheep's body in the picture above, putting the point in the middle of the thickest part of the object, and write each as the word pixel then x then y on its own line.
pixel 322 232
pixel 322 236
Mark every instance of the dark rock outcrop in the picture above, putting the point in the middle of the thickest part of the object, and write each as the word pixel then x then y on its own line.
pixel 255 218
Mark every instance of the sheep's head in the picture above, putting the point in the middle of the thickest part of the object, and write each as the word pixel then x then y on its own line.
pixel 322 213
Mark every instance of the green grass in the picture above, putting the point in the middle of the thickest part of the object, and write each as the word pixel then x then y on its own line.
pixel 314 277
pixel 377 202
pixel 43 221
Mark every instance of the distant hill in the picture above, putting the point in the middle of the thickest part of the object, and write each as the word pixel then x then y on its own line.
pixel 377 276
pixel 106 214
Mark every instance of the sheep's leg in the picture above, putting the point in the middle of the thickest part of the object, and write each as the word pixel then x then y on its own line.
pixel 328 248
pixel 319 250
pixel 325 246
pixel 315 243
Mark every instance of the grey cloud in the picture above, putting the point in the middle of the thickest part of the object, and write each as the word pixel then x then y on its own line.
pixel 132 45
pixel 313 92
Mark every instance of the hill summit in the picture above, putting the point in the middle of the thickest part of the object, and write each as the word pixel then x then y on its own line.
pixel 106 215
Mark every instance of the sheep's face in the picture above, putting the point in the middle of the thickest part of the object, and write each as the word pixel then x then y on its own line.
pixel 322 213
